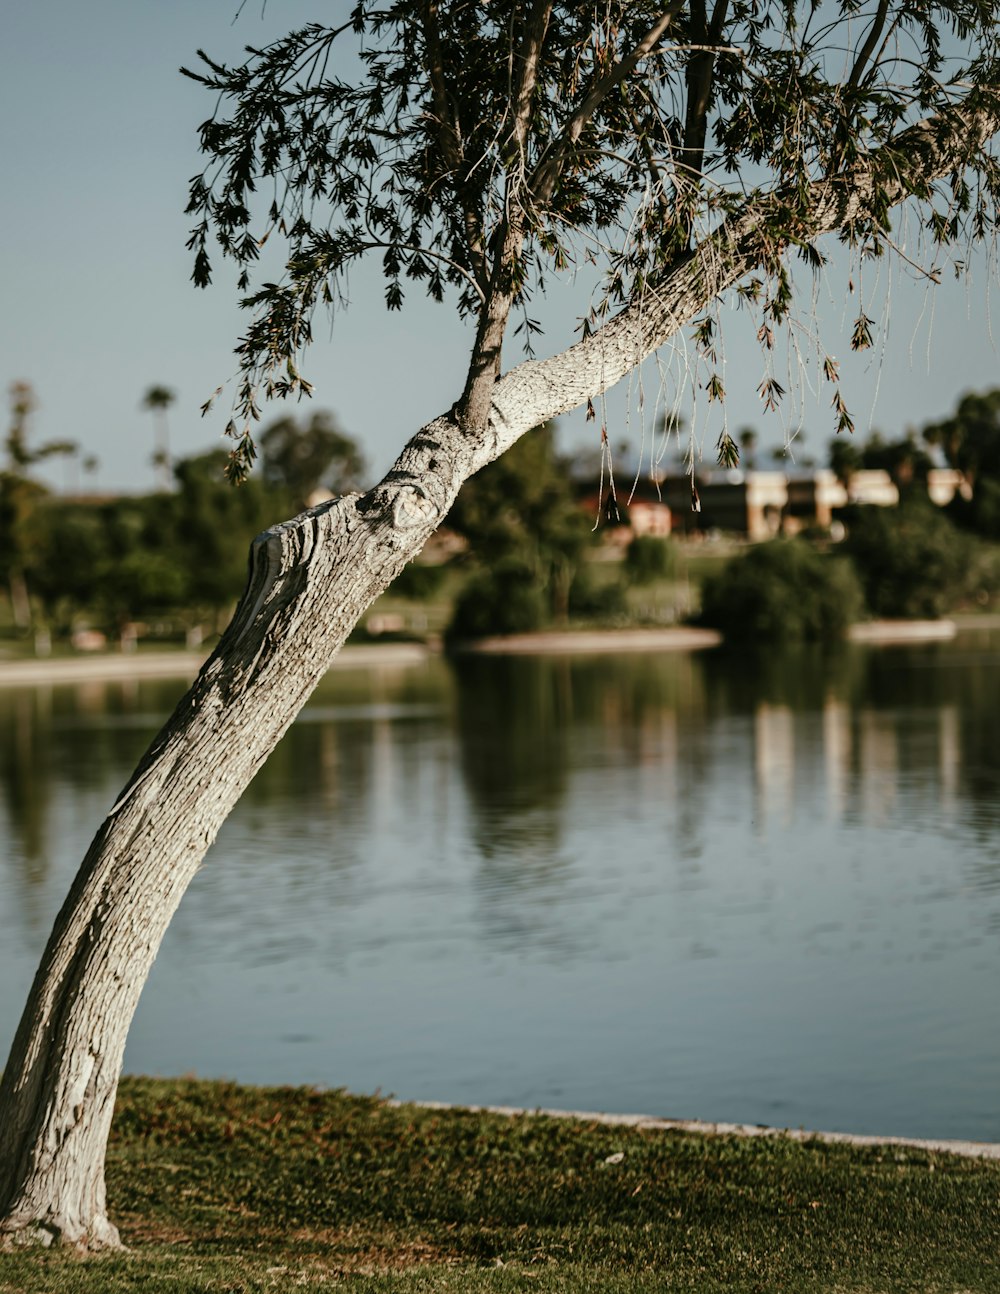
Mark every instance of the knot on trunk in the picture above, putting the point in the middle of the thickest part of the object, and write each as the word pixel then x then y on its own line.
pixel 412 507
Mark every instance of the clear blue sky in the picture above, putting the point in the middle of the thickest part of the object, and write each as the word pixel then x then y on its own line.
pixel 98 140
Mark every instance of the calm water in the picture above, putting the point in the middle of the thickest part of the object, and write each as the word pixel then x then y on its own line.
pixel 723 887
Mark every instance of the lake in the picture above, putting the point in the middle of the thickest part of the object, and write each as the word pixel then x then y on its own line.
pixel 726 886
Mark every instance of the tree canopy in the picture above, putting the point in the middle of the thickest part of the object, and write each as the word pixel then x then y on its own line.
pixel 970 437
pixel 301 459
pixel 479 149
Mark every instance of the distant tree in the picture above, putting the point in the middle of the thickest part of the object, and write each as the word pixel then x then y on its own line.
pixel 911 560
pixel 782 591
pixel 844 458
pixel 747 439
pixel 970 438
pixel 420 581
pixel 20 497
pixel 302 459
pixel 135 556
pixel 73 549
pixel 648 558
pixel 20 453
pixel 980 513
pixel 113 561
pixel 502 598
pixel 158 400
pixel 213 526
pixel 970 442
pixel 522 510
pixel 906 460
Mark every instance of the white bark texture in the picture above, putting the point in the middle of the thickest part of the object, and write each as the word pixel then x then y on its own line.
pixel 310 580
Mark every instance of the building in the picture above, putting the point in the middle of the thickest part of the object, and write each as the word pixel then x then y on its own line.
pixel 761 505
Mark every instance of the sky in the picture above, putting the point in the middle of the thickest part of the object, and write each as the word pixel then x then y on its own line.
pixel 97 143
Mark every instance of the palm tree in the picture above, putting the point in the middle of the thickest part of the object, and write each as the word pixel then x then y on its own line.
pixel 158 399
pixel 748 443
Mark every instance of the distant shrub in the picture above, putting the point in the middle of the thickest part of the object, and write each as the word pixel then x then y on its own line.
pixel 418 582
pixel 782 590
pixel 503 600
pixel 648 558
pixel 592 599
pixel 984 508
pixel 911 560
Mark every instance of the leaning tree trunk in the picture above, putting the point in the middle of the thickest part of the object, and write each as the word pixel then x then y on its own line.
pixel 310 580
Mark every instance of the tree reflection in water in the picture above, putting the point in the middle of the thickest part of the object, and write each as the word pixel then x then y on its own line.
pixel 724 843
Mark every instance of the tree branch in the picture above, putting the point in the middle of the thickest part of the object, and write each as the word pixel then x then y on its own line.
pixel 452 148
pixel 444 109
pixel 543 182
pixel 508 240
pixel 542 389
pixel 531 48
pixel 650 159
pixel 377 243
pixel 867 49
pixel 700 72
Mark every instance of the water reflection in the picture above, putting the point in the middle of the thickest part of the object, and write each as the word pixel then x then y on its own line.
pixel 767 884
pixel 514 728
pixel 23 761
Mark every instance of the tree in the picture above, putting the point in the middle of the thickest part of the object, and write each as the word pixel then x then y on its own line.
pixel 970 438
pixel 212 525
pixel 523 524
pixel 970 442
pixel 20 497
pixel 140 556
pixel 906 460
pixel 650 558
pixel 911 560
pixel 782 591
pixel 476 150
pixel 844 459
pixel 304 459
pixel 747 439
pixel 158 400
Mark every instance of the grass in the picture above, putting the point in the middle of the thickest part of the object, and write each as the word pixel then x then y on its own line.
pixel 238 1190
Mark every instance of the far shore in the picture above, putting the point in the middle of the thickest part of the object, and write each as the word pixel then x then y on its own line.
pixel 185 664
pixel 177 664
pixel 688 638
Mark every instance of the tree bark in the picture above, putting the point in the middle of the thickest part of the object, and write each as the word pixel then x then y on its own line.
pixel 310 579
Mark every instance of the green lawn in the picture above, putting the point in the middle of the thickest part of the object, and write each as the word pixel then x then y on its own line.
pixel 231 1189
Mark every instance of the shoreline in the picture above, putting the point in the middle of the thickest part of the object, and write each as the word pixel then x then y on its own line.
pixel 108 667
pixel 223 1186
pixel 572 641
pixel 120 667
pixel 962 1147
pixel 688 638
